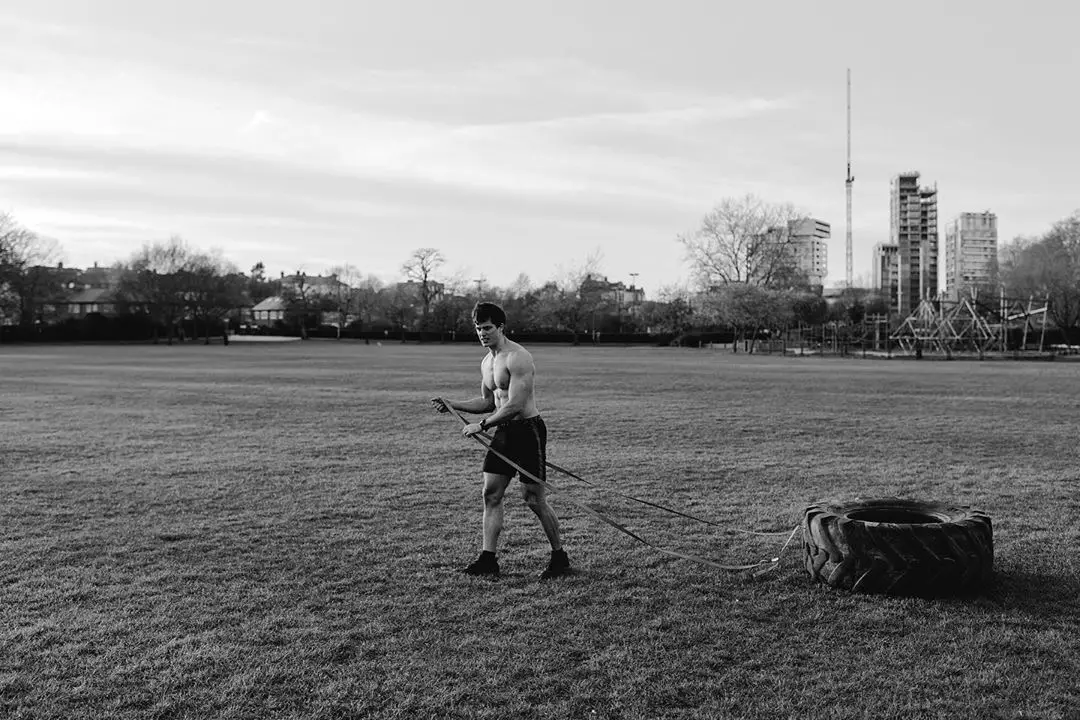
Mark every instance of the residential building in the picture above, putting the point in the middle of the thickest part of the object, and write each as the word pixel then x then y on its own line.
pixel 971 247
pixel 313 285
pixel 886 273
pixel 91 300
pixel 92 290
pixel 810 241
pixel 616 294
pixel 913 228
pixel 100 277
pixel 412 291
pixel 58 293
pixel 315 288
pixel 269 311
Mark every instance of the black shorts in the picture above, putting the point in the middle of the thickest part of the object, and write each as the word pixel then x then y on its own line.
pixel 524 442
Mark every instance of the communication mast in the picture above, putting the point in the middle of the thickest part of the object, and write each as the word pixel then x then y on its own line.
pixel 849 182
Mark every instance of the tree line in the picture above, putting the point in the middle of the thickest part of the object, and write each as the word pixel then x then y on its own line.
pixel 746 280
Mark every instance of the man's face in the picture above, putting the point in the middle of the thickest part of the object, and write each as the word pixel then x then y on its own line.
pixel 488 332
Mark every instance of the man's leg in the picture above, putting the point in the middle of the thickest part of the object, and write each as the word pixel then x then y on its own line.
pixel 494 488
pixel 536 498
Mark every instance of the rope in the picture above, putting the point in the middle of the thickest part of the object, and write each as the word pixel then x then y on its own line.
pixel 485 441
pixel 729 531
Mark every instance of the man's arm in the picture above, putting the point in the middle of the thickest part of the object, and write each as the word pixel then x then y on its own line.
pixel 484 403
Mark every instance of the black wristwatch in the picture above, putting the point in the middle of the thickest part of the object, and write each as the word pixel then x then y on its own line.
pixel 483 427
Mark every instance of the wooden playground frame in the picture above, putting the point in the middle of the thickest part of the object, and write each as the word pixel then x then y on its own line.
pixel 968 326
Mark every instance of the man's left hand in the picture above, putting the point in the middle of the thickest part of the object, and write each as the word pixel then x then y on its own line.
pixel 472 429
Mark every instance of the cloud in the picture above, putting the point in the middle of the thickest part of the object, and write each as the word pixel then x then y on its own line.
pixel 16 173
pixel 258 118
pixel 705 110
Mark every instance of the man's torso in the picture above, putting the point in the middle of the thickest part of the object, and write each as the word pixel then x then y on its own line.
pixel 496 372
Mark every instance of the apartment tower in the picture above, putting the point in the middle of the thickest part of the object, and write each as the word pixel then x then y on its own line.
pixel 886 278
pixel 810 239
pixel 914 231
pixel 970 252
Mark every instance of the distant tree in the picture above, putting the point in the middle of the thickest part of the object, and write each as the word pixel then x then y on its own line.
pixel 568 302
pixel 853 309
pixel 1048 268
pixel 28 274
pixel 367 293
pixel 344 296
pixel 212 288
pixel 810 308
pixel 156 280
pixel 876 302
pixel 300 302
pixel 749 309
pixel 520 288
pixel 672 312
pixel 451 314
pixel 519 301
pixel 421 268
pixel 397 305
pixel 744 240
pixel 259 286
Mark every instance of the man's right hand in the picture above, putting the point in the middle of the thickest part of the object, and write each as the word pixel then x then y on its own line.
pixel 440 405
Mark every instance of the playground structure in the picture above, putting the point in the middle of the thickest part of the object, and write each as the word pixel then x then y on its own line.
pixel 968 326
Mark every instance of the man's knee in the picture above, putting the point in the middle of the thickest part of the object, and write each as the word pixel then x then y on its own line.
pixel 493 492
pixel 533 495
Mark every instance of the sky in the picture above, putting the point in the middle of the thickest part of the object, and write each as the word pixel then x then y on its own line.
pixel 521 137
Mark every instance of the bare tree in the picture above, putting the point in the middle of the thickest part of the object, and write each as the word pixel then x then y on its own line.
pixel 749 309
pixel 673 312
pixel 300 301
pixel 213 288
pixel 157 280
pixel 367 300
pixel 520 288
pixel 1049 267
pixel 567 303
pixel 28 279
pixel 743 240
pixel 461 289
pixel 420 268
pixel 398 305
pixel 345 295
pixel 259 286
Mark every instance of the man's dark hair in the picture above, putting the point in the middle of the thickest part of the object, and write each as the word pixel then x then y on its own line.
pixel 488 311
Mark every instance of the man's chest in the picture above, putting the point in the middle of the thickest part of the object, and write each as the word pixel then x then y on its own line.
pixel 497 374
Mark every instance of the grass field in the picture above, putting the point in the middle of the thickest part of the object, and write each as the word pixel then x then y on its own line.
pixel 276 531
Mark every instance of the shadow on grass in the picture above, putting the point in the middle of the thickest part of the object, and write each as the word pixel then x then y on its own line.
pixel 1038 593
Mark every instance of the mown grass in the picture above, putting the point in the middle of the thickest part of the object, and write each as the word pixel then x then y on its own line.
pixel 259 531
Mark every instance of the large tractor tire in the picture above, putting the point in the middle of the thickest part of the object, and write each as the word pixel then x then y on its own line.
pixel 893 546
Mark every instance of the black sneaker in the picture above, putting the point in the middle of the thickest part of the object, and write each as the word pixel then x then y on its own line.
pixel 557 566
pixel 486 564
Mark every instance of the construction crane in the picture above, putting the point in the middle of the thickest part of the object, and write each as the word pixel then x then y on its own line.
pixel 849 182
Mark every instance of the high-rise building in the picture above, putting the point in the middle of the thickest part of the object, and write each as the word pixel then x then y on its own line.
pixel 886 278
pixel 810 240
pixel 801 245
pixel 970 252
pixel 913 229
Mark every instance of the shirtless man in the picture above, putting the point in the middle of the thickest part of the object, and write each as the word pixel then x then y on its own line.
pixel 506 388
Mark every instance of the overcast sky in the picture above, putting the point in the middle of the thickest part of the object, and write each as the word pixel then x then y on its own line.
pixel 520 137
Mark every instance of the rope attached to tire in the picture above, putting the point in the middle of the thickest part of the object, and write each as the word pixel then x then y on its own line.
pixel 485 441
